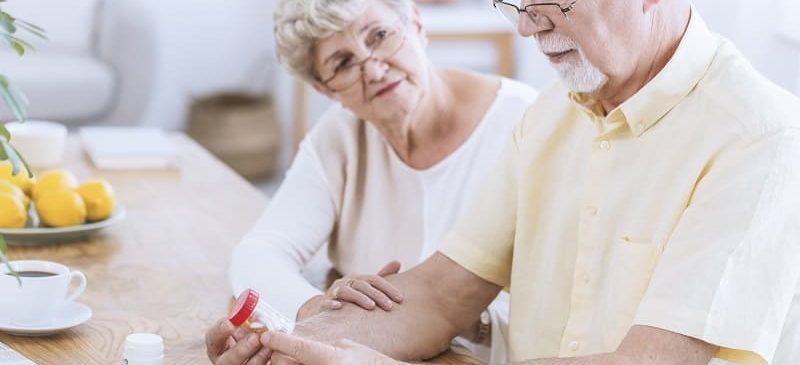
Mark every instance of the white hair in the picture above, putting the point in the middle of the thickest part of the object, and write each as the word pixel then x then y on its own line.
pixel 579 75
pixel 300 24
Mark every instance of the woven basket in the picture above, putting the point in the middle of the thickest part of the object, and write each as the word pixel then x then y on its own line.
pixel 239 129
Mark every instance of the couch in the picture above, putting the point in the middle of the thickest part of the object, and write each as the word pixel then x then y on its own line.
pixel 96 65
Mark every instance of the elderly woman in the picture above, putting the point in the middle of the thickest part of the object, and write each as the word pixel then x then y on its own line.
pixel 383 174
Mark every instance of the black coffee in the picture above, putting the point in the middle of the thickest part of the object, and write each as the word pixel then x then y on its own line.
pixel 33 274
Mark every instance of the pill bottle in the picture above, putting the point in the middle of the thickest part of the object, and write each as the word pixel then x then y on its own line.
pixel 143 349
pixel 252 311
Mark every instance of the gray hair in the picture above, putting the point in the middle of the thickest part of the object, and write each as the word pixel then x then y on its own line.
pixel 300 24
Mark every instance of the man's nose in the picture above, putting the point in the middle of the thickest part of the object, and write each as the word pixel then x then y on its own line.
pixel 529 28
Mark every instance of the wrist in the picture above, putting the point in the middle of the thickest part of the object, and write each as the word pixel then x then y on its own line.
pixel 309 307
pixel 484 328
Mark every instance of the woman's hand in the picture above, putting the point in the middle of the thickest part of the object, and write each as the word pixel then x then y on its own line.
pixel 293 350
pixel 365 291
pixel 228 345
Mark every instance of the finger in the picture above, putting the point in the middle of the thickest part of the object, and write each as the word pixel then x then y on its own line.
pixel 376 295
pixel 260 358
pixel 351 295
pixel 281 359
pixel 332 304
pixel 217 337
pixel 390 268
pixel 386 287
pixel 240 333
pixel 242 352
pixel 300 349
pixel 230 343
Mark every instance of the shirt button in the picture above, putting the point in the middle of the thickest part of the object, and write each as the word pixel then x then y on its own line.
pixel 604 145
pixel 574 346
pixel 591 210
pixel 586 278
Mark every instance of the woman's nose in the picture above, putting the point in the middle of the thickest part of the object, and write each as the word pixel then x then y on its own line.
pixel 374 70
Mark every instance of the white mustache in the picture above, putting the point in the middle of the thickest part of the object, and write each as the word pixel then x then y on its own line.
pixel 555 43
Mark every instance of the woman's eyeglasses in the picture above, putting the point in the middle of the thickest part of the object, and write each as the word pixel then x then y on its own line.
pixel 383 42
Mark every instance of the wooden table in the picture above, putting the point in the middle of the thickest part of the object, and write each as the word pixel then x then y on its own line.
pixel 161 270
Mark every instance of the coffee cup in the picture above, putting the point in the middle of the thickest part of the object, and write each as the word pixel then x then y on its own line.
pixel 42 292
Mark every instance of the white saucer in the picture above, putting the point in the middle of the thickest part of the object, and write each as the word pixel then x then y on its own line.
pixel 71 315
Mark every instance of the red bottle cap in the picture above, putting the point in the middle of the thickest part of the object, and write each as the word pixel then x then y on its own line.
pixel 244 307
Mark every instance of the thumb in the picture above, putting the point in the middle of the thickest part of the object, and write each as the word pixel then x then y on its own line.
pixel 390 268
pixel 300 349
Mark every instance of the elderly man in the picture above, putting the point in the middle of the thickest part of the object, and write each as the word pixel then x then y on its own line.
pixel 646 211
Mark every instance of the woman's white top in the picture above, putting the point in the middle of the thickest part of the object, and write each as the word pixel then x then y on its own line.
pixel 348 187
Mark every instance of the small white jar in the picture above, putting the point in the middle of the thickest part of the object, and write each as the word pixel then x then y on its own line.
pixel 41 143
pixel 143 349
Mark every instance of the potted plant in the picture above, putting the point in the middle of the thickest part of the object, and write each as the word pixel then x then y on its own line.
pixel 14 100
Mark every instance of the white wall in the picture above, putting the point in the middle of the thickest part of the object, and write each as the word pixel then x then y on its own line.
pixel 208 46
pixel 756 27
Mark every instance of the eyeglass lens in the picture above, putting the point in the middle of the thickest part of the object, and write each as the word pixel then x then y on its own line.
pixel 385 43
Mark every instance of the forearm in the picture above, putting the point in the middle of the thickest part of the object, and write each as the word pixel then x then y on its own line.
pixel 272 273
pixel 422 326
pixel 645 345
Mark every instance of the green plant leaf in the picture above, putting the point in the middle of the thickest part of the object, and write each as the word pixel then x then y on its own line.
pixel 32 28
pixel 20 97
pixel 4 132
pixel 4 260
pixel 7 22
pixel 24 162
pixel 12 40
pixel 11 155
pixel 14 99
pixel 18 47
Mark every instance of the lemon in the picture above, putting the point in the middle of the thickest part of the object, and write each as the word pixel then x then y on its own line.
pixel 12 213
pixel 53 180
pixel 99 199
pixel 21 179
pixel 9 188
pixel 61 208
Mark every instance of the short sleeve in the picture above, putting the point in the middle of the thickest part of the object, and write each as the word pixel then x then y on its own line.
pixel 483 237
pixel 729 272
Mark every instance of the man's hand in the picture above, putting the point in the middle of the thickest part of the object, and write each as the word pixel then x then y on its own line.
pixel 292 350
pixel 228 345
pixel 365 291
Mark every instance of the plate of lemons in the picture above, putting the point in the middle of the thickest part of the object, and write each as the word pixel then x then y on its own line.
pixel 54 207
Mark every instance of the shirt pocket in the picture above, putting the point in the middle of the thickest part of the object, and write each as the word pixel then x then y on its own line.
pixel 632 262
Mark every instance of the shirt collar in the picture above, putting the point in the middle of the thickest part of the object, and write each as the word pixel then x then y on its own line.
pixel 672 84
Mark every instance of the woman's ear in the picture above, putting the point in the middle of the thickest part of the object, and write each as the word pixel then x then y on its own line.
pixel 322 89
pixel 416 20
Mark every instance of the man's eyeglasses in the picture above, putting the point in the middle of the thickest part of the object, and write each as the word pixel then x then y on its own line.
pixel 383 42
pixel 539 13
